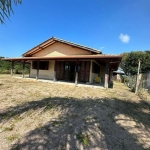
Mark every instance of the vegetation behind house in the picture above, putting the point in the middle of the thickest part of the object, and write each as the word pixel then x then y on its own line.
pixel 5 67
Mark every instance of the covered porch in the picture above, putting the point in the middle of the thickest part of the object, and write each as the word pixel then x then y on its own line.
pixel 71 69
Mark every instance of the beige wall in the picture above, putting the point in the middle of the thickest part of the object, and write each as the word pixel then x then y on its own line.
pixel 94 75
pixel 60 49
pixel 44 74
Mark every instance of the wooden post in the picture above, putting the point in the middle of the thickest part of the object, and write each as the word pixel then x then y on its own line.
pixel 76 72
pixel 55 71
pixel 12 67
pixel 37 72
pixel 137 80
pixel 90 76
pixel 76 78
pixel 23 66
pixel 106 76
pixel 54 76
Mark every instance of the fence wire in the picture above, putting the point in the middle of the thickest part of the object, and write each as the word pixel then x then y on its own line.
pixel 144 81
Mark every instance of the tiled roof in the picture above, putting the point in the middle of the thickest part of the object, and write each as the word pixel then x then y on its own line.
pixel 52 40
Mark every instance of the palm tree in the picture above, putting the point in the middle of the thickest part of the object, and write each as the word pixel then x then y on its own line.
pixel 6 9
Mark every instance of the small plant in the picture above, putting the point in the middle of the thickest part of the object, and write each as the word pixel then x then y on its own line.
pixel 99 127
pixel 90 119
pixel 15 147
pixel 95 117
pixel 83 139
pixel 18 118
pixel 10 128
pixel 55 123
pixel 39 125
pixel 13 137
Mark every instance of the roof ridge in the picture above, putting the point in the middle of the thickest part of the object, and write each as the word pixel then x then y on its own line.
pixel 66 42
pixel 55 38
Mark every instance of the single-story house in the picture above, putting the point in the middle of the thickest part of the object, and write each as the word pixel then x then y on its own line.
pixel 60 60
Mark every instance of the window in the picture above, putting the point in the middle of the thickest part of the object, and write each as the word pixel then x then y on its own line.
pixel 43 65
pixel 34 64
pixel 96 68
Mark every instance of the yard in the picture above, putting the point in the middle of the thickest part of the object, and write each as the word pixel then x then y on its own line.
pixel 38 115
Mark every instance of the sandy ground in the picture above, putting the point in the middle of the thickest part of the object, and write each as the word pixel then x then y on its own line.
pixel 40 116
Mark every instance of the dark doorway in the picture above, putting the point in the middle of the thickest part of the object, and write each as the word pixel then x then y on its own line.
pixel 65 70
pixel 84 71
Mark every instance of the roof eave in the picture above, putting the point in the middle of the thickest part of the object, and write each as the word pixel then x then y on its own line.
pixel 65 57
pixel 51 41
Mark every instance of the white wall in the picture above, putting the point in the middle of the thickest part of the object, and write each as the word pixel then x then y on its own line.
pixel 44 74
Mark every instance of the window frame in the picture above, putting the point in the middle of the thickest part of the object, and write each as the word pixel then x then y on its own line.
pixel 43 65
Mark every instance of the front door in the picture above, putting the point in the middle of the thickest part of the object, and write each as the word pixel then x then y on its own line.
pixel 84 71
pixel 65 70
pixel 59 70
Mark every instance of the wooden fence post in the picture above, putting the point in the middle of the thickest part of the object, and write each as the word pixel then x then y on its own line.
pixel 137 79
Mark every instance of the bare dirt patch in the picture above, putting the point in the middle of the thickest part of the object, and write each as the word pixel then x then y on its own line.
pixel 36 115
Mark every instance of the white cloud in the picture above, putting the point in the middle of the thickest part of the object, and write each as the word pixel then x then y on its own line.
pixel 102 47
pixel 125 38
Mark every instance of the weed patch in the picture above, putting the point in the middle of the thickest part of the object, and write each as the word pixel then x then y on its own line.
pixel 84 139
pixel 13 137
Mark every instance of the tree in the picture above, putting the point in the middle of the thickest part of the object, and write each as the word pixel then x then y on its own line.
pixel 5 67
pixel 6 9
pixel 129 63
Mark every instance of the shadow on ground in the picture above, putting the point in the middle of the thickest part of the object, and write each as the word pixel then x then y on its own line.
pixel 84 124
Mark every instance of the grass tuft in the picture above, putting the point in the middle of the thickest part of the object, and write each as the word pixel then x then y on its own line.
pixel 83 139
pixel 10 128
pixel 13 137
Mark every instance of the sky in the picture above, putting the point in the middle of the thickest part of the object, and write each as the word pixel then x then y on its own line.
pixel 113 26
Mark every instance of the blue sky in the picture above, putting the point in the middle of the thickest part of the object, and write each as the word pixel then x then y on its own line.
pixel 114 26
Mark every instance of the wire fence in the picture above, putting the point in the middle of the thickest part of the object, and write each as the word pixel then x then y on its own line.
pixel 144 81
pixel 143 87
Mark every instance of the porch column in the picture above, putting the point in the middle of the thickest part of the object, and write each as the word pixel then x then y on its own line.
pixel 55 71
pixel 76 73
pixel 23 65
pixel 90 76
pixel 110 74
pixel 37 71
pixel 12 67
pixel 76 78
pixel 106 76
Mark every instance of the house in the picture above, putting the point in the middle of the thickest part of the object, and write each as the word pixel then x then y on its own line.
pixel 60 60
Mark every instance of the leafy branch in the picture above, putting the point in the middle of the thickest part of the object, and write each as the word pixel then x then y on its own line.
pixel 6 9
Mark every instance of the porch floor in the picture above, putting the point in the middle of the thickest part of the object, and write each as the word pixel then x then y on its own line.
pixel 62 82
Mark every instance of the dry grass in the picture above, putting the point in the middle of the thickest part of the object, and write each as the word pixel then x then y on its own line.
pixel 145 95
pixel 37 115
